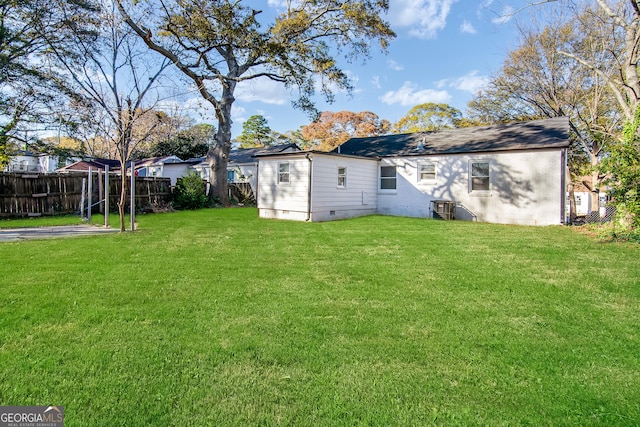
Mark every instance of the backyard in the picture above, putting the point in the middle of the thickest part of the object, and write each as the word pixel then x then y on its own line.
pixel 217 317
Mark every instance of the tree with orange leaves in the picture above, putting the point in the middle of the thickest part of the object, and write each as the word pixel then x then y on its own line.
pixel 332 129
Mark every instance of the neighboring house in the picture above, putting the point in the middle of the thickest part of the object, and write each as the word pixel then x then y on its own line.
pixel 584 200
pixel 172 167
pixel 510 174
pixel 242 165
pixel 95 164
pixel 153 166
pixel 582 197
pixel 26 161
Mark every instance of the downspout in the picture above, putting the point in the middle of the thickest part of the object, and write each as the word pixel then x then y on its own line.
pixel 563 180
pixel 255 193
pixel 308 156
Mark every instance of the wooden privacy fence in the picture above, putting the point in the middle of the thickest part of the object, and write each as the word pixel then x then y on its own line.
pixel 50 194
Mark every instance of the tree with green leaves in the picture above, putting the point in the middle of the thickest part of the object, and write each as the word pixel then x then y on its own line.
pixel 622 168
pixel 186 144
pixel 292 137
pixel 256 133
pixel 30 88
pixel 428 117
pixel 219 44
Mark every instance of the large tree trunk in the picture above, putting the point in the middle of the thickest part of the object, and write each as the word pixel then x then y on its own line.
pixel 218 155
pixel 595 191
pixel 572 203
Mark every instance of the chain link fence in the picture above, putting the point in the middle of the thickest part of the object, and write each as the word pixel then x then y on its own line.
pixel 605 214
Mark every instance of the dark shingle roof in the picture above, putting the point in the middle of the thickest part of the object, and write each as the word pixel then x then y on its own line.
pixel 96 163
pixel 245 155
pixel 536 134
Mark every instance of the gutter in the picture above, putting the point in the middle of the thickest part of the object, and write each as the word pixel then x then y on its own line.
pixel 309 158
pixel 255 193
pixel 563 179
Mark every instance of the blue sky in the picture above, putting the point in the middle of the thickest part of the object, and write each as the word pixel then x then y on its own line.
pixel 445 50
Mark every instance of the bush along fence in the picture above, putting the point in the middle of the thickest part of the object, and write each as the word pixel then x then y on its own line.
pixel 53 194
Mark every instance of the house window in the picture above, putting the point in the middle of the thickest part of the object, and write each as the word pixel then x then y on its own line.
pixel 342 176
pixel 283 173
pixel 427 172
pixel 480 174
pixel 231 176
pixel 387 177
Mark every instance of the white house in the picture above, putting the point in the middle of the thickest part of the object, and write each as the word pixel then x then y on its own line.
pixel 26 161
pixel 510 174
pixel 171 167
pixel 242 166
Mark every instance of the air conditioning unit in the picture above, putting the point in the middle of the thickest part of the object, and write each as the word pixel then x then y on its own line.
pixel 443 209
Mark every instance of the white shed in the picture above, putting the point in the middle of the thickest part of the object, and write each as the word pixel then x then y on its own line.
pixel 316 186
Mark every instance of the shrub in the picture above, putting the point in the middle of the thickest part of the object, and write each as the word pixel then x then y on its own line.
pixel 189 192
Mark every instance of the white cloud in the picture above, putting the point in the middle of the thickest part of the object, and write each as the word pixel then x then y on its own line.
pixel 395 66
pixel 375 82
pixel 238 114
pixel 423 18
pixel 262 90
pixel 410 94
pixel 277 3
pixel 471 82
pixel 505 16
pixel 467 27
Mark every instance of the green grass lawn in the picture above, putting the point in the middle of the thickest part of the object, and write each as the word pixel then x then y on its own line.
pixel 216 317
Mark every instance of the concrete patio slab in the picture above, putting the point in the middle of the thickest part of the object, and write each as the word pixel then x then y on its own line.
pixel 16 234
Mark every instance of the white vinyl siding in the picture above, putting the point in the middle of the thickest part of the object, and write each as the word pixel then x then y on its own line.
pixel 358 197
pixel 277 197
pixel 525 187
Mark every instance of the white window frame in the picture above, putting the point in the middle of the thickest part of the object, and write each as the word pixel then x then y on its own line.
pixel 282 174
pixel 389 178
pixel 433 180
pixel 472 177
pixel 342 177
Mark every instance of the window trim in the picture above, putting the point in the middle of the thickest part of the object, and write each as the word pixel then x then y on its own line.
pixel 433 180
pixel 286 173
pixel 486 192
pixel 394 178
pixel 343 176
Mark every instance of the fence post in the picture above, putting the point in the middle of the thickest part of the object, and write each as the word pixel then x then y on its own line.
pixel 89 194
pixel 106 195
pixel 132 203
pixel 84 181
